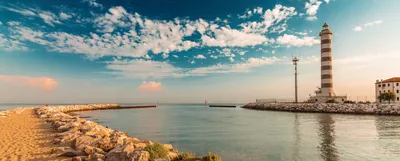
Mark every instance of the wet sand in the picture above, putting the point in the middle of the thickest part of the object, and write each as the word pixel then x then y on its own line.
pixel 24 136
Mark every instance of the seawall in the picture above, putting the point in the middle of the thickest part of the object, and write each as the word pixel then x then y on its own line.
pixel 356 108
pixel 86 140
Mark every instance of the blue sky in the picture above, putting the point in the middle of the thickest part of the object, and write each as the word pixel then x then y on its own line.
pixel 83 51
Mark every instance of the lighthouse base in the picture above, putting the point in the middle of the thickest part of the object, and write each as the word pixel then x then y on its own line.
pixel 325 99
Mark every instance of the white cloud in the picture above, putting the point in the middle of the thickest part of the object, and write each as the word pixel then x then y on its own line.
pixel 192 62
pixel 199 56
pixel 213 56
pixel 165 56
pixel 227 52
pixel 175 56
pixel 26 34
pixel 118 44
pixel 231 59
pixel 312 8
pixel 144 69
pixel 147 56
pixel 25 12
pixel 258 10
pixel 302 33
pixel 225 37
pixel 109 21
pixel 234 68
pixel 93 3
pixel 64 16
pixel 244 16
pixel 311 18
pixel 150 86
pixel 49 18
pixel 357 28
pixel 11 45
pixel 369 24
pixel 132 35
pixel 327 1
pixel 270 18
pixel 291 40
pixel 372 23
pixel 13 23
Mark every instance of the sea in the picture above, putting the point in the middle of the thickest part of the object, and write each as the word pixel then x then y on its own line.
pixel 238 134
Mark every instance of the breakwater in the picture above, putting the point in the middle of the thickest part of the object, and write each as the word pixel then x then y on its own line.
pixel 86 140
pixel 223 106
pixel 356 108
pixel 19 110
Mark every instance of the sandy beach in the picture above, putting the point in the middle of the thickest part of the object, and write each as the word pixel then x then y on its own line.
pixel 24 136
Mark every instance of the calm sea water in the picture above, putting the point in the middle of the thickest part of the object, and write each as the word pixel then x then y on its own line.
pixel 240 134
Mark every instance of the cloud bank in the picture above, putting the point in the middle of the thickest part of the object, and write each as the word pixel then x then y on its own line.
pixel 150 86
pixel 43 83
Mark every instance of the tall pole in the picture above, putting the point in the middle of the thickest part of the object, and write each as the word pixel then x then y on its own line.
pixel 295 60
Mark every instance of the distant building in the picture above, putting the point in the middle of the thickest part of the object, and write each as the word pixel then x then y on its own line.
pixel 325 92
pixel 388 85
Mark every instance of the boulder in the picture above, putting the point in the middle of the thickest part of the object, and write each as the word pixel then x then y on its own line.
pixel 77 158
pixel 89 150
pixel 141 155
pixel 99 130
pixel 160 159
pixel 148 142
pixel 168 147
pixel 68 136
pixel 83 140
pixel 71 154
pixel 104 144
pixel 120 153
pixel 63 128
pixel 64 149
pixel 172 155
pixel 132 140
pixel 140 145
pixel 96 157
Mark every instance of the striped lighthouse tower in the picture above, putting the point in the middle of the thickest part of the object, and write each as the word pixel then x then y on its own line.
pixel 326 61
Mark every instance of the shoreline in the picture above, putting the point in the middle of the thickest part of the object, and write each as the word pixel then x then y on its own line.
pixel 334 108
pixel 24 136
pixel 81 139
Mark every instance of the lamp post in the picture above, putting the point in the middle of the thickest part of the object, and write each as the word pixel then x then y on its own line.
pixel 295 60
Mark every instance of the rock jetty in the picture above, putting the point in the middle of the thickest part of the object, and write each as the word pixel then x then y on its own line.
pixel 19 110
pixel 86 140
pixel 344 108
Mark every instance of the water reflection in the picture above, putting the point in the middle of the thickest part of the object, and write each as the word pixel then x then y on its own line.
pixel 388 128
pixel 327 133
pixel 296 147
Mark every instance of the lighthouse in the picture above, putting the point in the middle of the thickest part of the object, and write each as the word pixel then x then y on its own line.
pixel 326 61
pixel 325 92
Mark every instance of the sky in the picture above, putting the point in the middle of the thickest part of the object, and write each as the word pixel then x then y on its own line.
pixel 179 51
